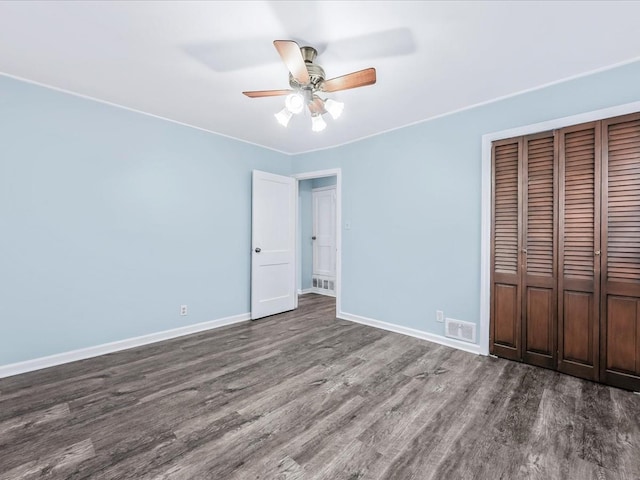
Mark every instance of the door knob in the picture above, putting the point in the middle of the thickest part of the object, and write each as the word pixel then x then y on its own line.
pixel 597 252
pixel 313 238
pixel 258 249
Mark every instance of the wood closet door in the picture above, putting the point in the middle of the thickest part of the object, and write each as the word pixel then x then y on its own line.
pixel 579 250
pixel 620 311
pixel 506 297
pixel 539 268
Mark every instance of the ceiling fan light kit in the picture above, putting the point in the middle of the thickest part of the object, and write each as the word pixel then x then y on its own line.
pixel 317 123
pixel 283 116
pixel 307 79
pixel 334 108
pixel 294 102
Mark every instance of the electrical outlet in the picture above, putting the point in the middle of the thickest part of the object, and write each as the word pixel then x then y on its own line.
pixel 439 316
pixel 183 310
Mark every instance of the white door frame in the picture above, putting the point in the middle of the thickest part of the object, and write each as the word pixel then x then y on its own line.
pixel 337 172
pixel 485 249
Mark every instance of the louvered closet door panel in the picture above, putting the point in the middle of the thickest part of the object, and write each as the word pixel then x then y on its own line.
pixel 506 300
pixel 578 254
pixel 620 316
pixel 540 280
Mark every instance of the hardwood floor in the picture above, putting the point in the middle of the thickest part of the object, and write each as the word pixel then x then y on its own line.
pixel 305 396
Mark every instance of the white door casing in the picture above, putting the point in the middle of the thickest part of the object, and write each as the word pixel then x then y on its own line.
pixel 324 232
pixel 273 228
pixel 337 172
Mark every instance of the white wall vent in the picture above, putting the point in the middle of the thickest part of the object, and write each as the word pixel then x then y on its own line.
pixel 323 283
pixel 460 330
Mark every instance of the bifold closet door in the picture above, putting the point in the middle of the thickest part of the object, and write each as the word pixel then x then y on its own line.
pixel 539 276
pixel 524 267
pixel 579 250
pixel 620 315
pixel 506 295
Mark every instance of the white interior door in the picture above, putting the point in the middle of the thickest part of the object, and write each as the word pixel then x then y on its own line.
pixel 324 233
pixel 273 281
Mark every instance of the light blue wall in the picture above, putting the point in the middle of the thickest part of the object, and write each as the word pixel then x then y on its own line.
pixel 413 197
pixel 305 211
pixel 110 220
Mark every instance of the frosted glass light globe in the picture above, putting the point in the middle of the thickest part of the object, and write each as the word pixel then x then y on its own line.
pixel 317 123
pixel 283 117
pixel 333 107
pixel 294 103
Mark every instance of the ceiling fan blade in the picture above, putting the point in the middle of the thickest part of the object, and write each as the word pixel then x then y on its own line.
pixel 360 78
pixel 290 53
pixel 267 93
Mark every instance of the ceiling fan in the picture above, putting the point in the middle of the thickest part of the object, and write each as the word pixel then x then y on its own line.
pixel 307 81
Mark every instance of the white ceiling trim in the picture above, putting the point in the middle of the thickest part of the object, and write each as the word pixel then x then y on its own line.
pixel 330 147
pixel 480 104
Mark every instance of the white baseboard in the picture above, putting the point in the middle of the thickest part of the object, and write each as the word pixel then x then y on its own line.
pixel 431 337
pixel 321 291
pixel 83 353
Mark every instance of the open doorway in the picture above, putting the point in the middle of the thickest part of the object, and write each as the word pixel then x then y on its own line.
pixel 318 258
pixel 317 210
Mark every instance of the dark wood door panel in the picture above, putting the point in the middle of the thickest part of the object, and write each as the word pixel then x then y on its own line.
pixel 540 319
pixel 539 267
pixel 619 318
pixel 579 243
pixel 539 344
pixel 506 229
pixel 578 328
pixel 539 204
pixel 622 335
pixel 506 322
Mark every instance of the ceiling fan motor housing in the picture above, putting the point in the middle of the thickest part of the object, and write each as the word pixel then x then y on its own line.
pixel 310 77
pixel 316 73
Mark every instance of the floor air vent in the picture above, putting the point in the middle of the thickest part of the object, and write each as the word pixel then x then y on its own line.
pixel 460 330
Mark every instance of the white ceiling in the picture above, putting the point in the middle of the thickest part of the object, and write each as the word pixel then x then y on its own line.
pixel 190 61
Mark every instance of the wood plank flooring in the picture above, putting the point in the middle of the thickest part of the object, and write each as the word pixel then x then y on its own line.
pixel 305 396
